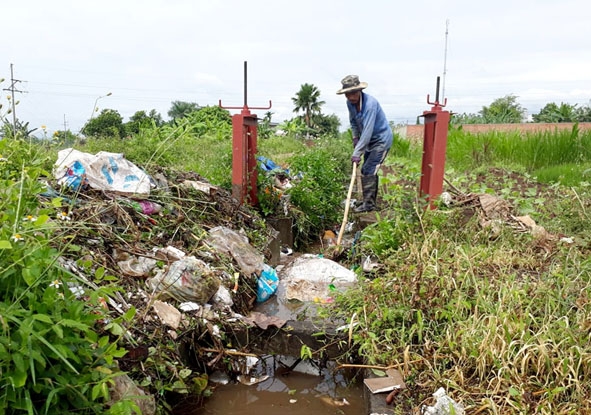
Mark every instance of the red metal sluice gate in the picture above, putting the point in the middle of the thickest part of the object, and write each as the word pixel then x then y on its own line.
pixel 244 150
pixel 434 148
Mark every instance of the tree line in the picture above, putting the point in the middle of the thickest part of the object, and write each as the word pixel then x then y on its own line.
pixel 507 110
pixel 309 120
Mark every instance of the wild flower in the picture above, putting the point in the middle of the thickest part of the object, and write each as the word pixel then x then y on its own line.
pixel 29 218
pixel 17 237
pixel 55 284
pixel 64 215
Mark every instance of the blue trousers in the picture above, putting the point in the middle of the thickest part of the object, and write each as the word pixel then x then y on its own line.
pixel 373 159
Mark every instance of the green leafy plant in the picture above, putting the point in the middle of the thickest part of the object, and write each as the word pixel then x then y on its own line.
pixel 319 192
pixel 55 356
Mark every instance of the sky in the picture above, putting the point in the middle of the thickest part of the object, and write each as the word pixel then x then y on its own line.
pixel 68 55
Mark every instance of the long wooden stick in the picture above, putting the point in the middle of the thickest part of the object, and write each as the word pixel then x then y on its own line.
pixel 346 215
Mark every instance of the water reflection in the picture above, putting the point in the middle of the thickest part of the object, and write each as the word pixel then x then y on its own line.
pixel 299 392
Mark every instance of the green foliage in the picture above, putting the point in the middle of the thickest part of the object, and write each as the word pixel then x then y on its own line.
pixel 564 112
pixel 212 120
pixel 108 123
pixel 293 128
pixel 319 194
pixel 21 131
pixel 326 124
pixel 554 113
pixel 281 149
pixel 567 174
pixel 54 356
pixel 401 147
pixel 268 195
pixel 503 110
pixel 141 120
pixel 264 127
pixel 390 232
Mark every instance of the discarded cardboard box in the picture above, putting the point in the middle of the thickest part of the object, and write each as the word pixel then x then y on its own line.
pixel 392 380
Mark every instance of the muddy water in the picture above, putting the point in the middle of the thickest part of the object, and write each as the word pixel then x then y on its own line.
pixel 305 390
pixel 295 394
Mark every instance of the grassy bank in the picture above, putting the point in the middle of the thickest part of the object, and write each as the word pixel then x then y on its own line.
pixel 498 315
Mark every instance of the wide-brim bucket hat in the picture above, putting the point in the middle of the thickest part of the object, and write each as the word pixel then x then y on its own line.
pixel 350 84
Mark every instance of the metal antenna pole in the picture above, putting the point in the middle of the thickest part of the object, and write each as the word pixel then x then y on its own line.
pixel 245 88
pixel 445 60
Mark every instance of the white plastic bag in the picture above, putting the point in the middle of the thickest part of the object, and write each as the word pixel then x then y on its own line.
pixel 188 279
pixel 103 171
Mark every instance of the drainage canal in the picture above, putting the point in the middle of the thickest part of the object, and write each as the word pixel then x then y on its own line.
pixel 274 379
pixel 305 390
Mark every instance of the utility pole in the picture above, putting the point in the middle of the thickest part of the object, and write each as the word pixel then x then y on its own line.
pixel 444 61
pixel 12 90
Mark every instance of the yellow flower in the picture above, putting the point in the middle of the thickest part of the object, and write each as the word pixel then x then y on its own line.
pixel 17 237
pixel 29 218
pixel 43 127
pixel 64 215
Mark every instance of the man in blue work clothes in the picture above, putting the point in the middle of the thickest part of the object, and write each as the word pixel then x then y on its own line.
pixel 372 136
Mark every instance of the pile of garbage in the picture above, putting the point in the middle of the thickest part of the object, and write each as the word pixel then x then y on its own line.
pixel 183 253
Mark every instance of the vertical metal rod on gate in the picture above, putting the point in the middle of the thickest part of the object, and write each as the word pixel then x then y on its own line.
pixel 434 149
pixel 244 149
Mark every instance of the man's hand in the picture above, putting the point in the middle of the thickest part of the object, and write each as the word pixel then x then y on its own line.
pixel 355 141
pixel 355 159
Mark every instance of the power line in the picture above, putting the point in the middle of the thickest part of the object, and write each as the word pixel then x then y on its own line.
pixel 12 90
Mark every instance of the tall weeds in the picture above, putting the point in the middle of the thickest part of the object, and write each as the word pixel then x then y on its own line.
pixel 552 153
pixel 502 321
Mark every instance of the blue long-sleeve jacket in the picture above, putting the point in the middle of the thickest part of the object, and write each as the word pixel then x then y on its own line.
pixel 370 125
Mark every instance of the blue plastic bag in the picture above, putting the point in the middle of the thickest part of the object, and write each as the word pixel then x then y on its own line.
pixel 267 284
pixel 76 176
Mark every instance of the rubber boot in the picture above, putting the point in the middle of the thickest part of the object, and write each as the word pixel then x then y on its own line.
pixel 369 186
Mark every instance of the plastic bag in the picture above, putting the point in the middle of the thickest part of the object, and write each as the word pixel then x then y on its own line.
pixel 104 171
pixel 444 405
pixel 267 284
pixel 229 242
pixel 188 279
pixel 75 177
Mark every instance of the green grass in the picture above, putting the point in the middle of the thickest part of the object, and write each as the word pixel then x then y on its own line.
pixel 552 154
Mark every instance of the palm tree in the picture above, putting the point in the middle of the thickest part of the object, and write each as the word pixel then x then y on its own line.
pixel 180 109
pixel 306 100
